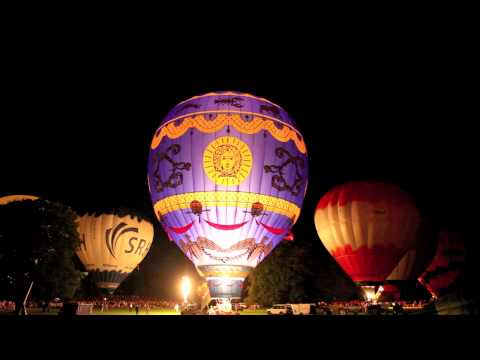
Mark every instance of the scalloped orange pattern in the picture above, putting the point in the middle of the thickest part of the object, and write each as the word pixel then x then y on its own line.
pixel 257 124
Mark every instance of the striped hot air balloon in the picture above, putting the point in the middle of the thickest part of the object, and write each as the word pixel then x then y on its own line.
pixel 367 227
pixel 446 266
pixel 227 175
pixel 112 246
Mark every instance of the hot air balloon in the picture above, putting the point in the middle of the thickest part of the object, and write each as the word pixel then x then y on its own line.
pixel 446 265
pixel 10 198
pixel 112 246
pixel 413 263
pixel 367 227
pixel 227 175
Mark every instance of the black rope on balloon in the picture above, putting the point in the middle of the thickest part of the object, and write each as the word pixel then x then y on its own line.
pixel 176 177
pixel 278 181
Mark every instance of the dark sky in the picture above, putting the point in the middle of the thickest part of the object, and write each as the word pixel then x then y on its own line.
pixel 77 119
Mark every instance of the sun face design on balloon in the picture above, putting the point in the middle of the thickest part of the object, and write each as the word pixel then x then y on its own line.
pixel 227 161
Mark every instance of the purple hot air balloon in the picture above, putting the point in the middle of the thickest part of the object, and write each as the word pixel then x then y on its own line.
pixel 227 175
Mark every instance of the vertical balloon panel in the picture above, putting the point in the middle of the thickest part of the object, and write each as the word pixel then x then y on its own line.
pixel 227 176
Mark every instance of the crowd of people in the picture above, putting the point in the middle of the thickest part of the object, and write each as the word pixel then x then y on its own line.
pixel 7 306
pixel 132 303
pixel 137 304
pixel 358 306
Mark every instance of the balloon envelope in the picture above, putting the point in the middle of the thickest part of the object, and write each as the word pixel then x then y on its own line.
pixel 112 246
pixel 367 227
pixel 227 175
pixel 8 199
pixel 416 260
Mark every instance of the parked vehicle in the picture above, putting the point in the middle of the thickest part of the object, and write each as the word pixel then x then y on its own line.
pixel 237 305
pixel 280 309
pixel 220 306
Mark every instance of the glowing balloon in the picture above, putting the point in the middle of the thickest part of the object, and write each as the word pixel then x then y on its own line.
pixel 112 246
pixel 227 175
pixel 10 198
pixel 367 227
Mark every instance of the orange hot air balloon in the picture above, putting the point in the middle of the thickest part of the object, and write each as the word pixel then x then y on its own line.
pixel 367 227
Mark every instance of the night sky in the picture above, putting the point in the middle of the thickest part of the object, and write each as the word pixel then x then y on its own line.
pixel 77 122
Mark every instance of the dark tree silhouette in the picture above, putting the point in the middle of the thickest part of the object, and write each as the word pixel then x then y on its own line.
pixel 296 272
pixel 37 244
pixel 284 276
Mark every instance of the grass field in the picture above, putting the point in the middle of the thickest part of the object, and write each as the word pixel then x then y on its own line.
pixel 253 312
pixel 54 312
pixel 166 312
pixel 116 312
pixel 141 312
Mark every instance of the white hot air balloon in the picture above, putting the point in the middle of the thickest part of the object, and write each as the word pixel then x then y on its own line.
pixel 112 246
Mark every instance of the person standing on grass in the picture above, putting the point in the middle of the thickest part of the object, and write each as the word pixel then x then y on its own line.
pixel 136 309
